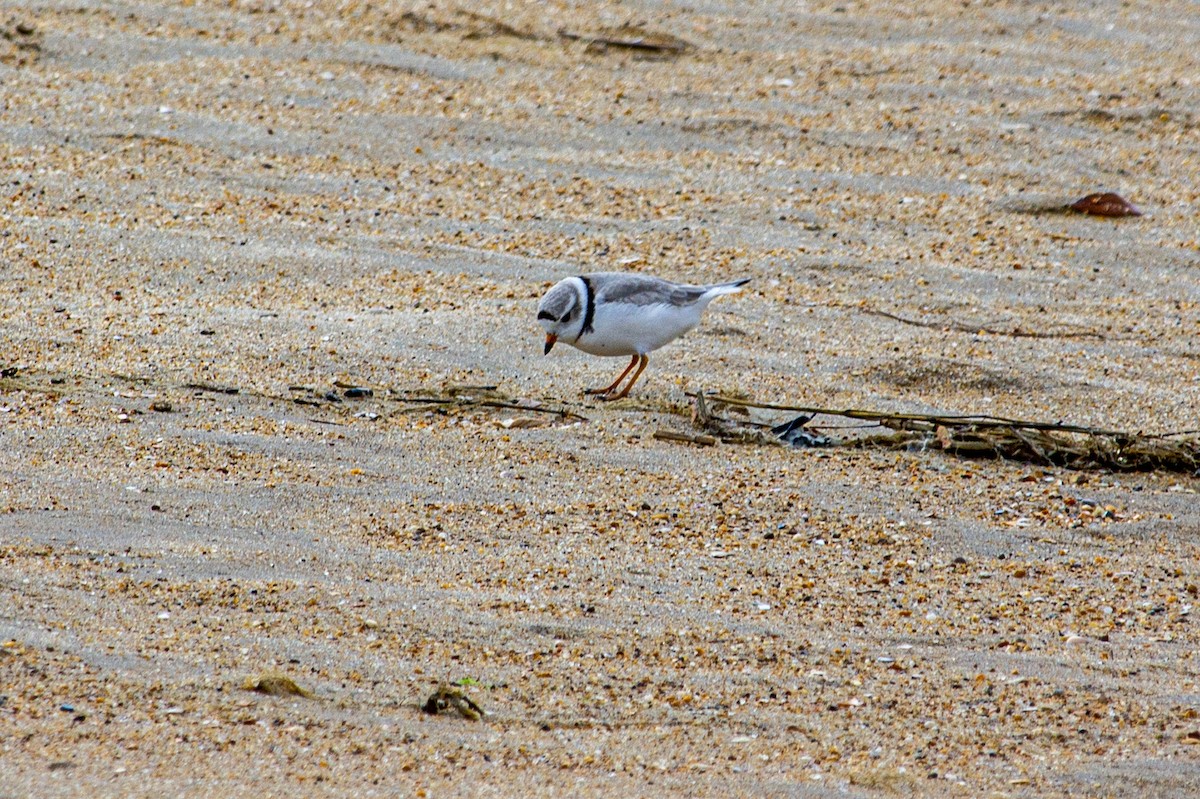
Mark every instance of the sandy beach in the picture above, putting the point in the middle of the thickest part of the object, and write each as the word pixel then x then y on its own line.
pixel 273 401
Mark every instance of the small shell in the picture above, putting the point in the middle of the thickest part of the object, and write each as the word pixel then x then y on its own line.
pixel 1105 204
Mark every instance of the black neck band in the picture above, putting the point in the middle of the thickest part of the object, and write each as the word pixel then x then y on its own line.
pixel 590 313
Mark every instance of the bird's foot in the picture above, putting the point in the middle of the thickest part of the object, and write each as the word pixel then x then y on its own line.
pixel 605 394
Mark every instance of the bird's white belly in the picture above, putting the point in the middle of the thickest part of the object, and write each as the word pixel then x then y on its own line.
pixel 625 329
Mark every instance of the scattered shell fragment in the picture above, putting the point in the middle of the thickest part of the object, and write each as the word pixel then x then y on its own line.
pixel 446 697
pixel 276 685
pixel 521 422
pixel 793 434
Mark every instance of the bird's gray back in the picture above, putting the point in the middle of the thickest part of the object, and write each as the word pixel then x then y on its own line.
pixel 643 290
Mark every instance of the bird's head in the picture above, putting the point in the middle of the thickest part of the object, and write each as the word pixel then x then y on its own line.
pixel 560 311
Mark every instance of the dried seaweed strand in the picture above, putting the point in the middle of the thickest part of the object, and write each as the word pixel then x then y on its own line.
pixel 965 328
pixel 489 403
pixel 632 39
pixel 498 27
pixel 924 421
pixel 1047 443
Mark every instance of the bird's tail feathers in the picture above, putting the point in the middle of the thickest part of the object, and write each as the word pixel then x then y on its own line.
pixel 728 288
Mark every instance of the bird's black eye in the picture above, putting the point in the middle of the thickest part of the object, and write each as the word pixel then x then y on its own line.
pixel 547 315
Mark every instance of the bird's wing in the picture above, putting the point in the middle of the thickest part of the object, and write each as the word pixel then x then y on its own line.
pixel 642 290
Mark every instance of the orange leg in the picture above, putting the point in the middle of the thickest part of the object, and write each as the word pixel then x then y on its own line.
pixel 645 359
pixel 615 383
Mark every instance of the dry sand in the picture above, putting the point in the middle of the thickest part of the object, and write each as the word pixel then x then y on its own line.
pixel 286 198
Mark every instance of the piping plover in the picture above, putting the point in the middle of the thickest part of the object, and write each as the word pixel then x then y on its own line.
pixel 614 313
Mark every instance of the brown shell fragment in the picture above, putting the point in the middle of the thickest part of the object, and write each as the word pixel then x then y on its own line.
pixel 1105 204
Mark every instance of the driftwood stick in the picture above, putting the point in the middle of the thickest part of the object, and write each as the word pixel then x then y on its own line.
pixel 685 438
